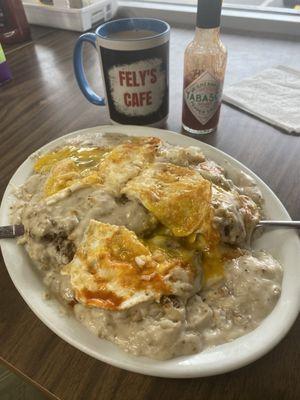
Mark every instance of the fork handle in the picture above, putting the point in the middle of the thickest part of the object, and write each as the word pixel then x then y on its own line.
pixel 284 224
pixel 11 231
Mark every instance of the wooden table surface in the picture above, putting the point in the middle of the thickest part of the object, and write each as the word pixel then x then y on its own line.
pixel 42 103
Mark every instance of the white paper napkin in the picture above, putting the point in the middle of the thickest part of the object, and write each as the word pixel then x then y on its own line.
pixel 273 95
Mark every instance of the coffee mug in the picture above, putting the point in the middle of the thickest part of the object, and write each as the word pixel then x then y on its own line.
pixel 134 59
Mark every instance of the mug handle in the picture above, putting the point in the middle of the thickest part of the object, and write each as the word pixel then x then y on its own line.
pixel 79 70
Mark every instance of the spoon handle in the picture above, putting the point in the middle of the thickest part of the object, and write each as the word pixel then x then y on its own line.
pixel 284 224
pixel 11 231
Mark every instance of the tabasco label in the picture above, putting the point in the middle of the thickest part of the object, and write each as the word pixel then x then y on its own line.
pixel 203 96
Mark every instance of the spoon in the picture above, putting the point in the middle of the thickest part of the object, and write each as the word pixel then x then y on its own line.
pixel 12 231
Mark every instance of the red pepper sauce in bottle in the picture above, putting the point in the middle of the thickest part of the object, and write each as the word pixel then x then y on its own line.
pixel 204 69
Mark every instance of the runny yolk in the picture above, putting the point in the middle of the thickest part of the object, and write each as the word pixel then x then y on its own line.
pixel 214 259
pixel 84 157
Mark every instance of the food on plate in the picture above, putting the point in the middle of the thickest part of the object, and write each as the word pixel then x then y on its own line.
pixel 114 270
pixel 147 243
pixel 177 196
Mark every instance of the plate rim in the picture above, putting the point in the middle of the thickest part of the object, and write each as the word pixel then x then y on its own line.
pixel 183 372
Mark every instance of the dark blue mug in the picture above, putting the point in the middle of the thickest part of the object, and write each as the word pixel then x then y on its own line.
pixel 134 59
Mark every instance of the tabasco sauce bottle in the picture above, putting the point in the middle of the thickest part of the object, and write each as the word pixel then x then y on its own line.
pixel 204 69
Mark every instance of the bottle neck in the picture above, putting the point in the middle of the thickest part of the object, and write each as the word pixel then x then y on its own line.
pixel 207 36
pixel 208 13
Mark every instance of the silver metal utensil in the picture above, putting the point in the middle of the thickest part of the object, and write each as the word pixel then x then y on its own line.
pixel 279 224
pixel 12 231
pixel 270 224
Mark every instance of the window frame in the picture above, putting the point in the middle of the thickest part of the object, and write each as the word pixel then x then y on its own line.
pixel 242 18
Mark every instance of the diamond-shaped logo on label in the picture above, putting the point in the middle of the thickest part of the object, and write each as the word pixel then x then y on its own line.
pixel 203 96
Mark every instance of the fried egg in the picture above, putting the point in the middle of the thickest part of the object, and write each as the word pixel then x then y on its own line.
pixel 177 196
pixel 126 161
pixel 83 156
pixel 113 269
pixel 66 173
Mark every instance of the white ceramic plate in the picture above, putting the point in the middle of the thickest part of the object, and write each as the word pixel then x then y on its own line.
pixel 284 245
